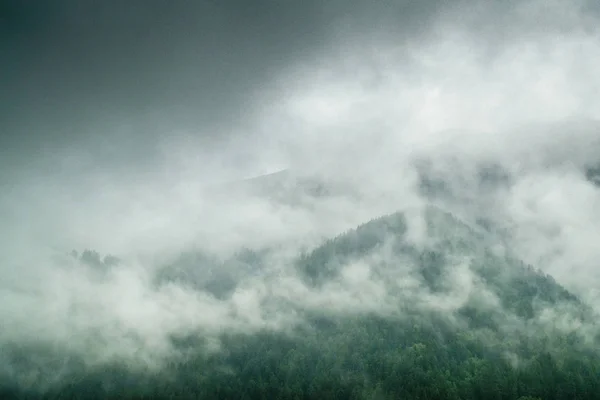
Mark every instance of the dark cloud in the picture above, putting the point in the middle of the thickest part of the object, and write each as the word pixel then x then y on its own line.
pixel 95 73
pixel 77 70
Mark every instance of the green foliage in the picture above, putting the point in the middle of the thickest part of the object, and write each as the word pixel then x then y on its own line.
pixel 357 358
pixel 475 353
pixel 325 261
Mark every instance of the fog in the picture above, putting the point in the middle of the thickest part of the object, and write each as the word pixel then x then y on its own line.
pixel 365 99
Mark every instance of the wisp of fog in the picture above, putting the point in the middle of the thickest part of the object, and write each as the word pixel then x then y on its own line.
pixel 496 104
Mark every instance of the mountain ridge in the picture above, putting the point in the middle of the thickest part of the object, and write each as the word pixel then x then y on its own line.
pixel 460 322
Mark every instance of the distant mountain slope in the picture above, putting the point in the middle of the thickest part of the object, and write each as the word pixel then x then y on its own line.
pixel 287 187
pixel 592 173
pixel 461 320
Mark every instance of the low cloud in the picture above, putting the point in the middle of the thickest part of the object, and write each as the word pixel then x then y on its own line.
pixel 501 127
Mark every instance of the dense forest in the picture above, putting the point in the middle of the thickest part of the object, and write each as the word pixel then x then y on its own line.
pixel 462 321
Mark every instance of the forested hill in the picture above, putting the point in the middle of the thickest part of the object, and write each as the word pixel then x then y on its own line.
pixel 443 315
pixel 450 254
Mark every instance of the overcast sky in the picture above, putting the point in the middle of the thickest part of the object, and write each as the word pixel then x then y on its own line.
pixel 113 78
pixel 90 73
pixel 149 99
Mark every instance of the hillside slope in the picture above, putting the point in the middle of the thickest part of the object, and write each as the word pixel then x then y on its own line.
pixel 459 319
